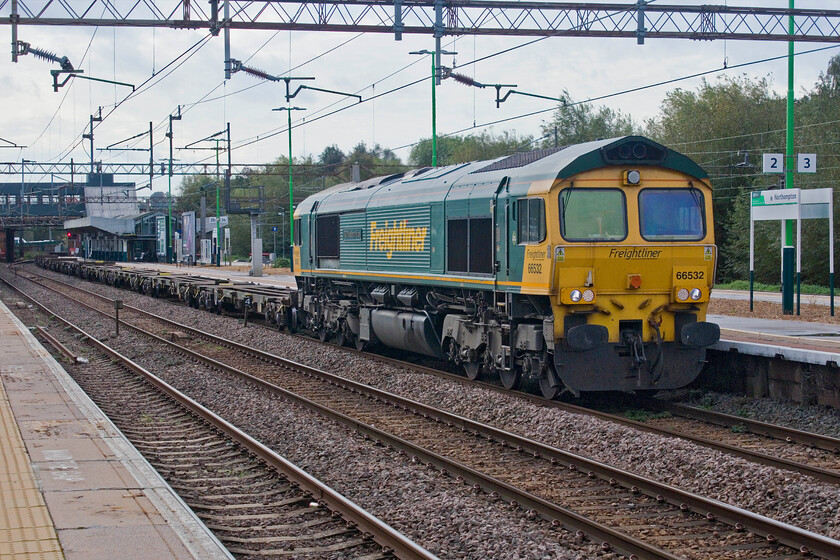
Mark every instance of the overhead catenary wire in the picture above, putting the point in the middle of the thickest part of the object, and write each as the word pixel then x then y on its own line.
pixel 273 132
pixel 149 83
pixel 264 136
pixel 143 87
pixel 242 143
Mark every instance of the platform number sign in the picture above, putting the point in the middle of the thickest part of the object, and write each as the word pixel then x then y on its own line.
pixel 806 163
pixel 773 163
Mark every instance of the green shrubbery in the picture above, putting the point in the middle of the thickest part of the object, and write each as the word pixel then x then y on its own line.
pixel 761 287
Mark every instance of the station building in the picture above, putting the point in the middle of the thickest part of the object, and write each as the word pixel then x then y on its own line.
pixel 115 227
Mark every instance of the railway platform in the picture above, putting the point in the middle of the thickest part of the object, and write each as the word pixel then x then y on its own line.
pixel 788 359
pixel 71 486
pixel 792 340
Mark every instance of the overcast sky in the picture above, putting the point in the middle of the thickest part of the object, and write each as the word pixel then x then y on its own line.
pixel 49 123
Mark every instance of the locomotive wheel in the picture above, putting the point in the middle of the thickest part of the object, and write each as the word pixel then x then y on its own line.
pixel 361 344
pixel 473 370
pixel 510 379
pixel 340 338
pixel 323 333
pixel 292 324
pixel 550 385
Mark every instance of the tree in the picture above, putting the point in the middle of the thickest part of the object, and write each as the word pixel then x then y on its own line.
pixel 372 162
pixel 725 126
pixel 330 159
pixel 578 122
pixel 461 149
pixel 817 118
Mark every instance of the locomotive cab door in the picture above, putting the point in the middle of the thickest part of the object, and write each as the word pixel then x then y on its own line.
pixel 501 231
pixel 311 220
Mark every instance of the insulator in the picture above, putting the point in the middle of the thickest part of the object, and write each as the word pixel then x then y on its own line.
pixel 42 54
pixel 466 80
pixel 48 56
pixel 258 73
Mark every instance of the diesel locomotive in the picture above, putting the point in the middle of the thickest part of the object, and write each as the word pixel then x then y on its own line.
pixel 583 268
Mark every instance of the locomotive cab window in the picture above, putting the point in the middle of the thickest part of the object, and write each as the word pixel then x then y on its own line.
pixel 297 232
pixel 530 226
pixel 672 214
pixel 593 214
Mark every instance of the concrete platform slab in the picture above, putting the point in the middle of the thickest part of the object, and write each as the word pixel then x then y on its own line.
pixel 780 327
pixel 135 543
pixel 69 481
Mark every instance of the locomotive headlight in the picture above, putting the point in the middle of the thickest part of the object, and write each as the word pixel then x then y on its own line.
pixel 682 294
pixel 580 296
pixel 631 177
pixel 696 294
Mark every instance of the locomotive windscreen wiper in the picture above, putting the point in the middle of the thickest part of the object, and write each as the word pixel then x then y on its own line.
pixel 566 194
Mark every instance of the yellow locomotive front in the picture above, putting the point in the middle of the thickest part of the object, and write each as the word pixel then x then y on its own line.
pixel 633 266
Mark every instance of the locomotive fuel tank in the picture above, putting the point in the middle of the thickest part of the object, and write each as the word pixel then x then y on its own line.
pixel 405 330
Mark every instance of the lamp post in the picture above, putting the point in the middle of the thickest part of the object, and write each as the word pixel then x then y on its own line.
pixel 291 184
pixel 435 78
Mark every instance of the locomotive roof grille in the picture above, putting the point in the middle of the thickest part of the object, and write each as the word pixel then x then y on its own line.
pixel 519 159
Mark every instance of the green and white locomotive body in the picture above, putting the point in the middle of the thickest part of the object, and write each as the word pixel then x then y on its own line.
pixel 471 263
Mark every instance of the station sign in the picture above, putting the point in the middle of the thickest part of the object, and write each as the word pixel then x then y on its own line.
pixel 806 163
pixel 775 197
pixel 773 163
pixel 212 221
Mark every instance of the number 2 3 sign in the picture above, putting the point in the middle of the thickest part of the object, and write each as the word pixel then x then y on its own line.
pixel 775 163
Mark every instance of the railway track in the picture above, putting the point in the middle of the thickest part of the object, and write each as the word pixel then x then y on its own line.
pixel 257 504
pixel 777 446
pixel 636 516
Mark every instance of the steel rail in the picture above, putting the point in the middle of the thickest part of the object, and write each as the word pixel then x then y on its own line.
pixel 381 533
pixel 760 428
pixel 56 344
pixel 810 439
pixel 789 535
pixel 826 443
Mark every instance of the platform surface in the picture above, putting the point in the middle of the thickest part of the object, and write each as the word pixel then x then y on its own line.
pixel 71 486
